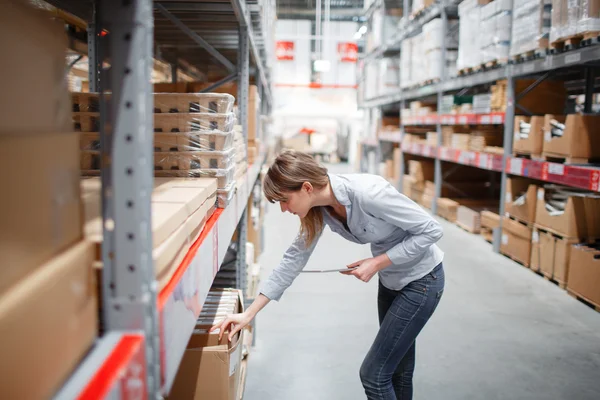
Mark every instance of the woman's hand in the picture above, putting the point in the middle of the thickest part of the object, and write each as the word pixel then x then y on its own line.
pixel 234 323
pixel 368 267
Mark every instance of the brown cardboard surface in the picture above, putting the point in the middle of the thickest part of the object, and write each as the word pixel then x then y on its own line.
pixel 210 369
pixel 47 323
pixel 447 208
pixel 40 210
pixel 547 144
pixel 534 143
pixel 584 273
pixel 397 161
pixel 173 201
pixel 490 220
pixel 547 252
pixel 35 96
pixel 469 218
pixel 514 187
pixel 546 97
pixel 581 138
pixel 570 224
pixel 253 231
pixel 592 216
pixel 562 257
pixel 421 170
pixel 178 87
pixel 516 241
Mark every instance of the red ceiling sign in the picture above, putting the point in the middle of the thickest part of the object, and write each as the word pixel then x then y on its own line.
pixel 348 52
pixel 284 51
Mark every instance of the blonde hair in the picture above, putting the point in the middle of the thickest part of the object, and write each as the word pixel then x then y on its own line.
pixel 287 174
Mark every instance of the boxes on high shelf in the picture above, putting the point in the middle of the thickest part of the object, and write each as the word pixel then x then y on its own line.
pixel 40 205
pixel 546 97
pixel 48 321
pixel 210 368
pixel 516 240
pixel 34 95
pixel 579 140
pixel 528 135
pixel 574 17
pixel 571 223
pixel 177 87
pixel 584 273
pixel 253 113
pixel 521 199
pixel 397 161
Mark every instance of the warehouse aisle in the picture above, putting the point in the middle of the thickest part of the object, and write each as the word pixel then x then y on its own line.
pixel 501 332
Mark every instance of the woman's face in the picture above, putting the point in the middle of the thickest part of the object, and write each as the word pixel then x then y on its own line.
pixel 298 202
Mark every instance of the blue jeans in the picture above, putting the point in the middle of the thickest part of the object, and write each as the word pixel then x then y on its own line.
pixel 387 371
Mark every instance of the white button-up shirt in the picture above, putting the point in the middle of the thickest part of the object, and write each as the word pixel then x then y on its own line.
pixel 377 214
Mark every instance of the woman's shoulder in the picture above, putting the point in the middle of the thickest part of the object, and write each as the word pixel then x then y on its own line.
pixel 364 185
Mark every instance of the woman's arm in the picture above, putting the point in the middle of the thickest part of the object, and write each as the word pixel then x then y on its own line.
pixel 388 204
pixel 294 260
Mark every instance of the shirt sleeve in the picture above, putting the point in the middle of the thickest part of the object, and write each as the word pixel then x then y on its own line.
pixel 294 260
pixel 390 205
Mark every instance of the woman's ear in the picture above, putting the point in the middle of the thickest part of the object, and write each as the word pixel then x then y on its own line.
pixel 307 187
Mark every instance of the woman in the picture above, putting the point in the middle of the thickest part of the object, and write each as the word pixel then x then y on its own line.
pixel 363 209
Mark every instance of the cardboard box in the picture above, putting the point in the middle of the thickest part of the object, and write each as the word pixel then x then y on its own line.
pixel 546 97
pixel 407 184
pixel 516 207
pixel 255 220
pixel 543 247
pixel 490 220
pixel 562 259
pixel 584 273
pixel 421 170
pixel 40 205
pixel 516 241
pixel 571 224
pixel 581 138
pixel 447 208
pixel 210 369
pixel 468 219
pixel 534 143
pixel 178 87
pixel 35 97
pixel 179 208
pixel 48 321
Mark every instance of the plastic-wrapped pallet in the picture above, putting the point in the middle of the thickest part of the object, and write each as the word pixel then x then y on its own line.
pixel 574 17
pixel 432 39
pixel 192 134
pixel 496 24
pixel 469 50
pixel 406 57
pixel 531 26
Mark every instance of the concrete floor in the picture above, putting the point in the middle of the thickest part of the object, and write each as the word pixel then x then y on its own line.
pixel 500 332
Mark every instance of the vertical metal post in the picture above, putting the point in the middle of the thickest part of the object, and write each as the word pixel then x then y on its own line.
pixel 129 285
pixel 243 79
pixel 94 63
pixel 173 73
pixel 402 172
pixel 508 144
pixel 438 162
pixel 405 11
pixel 590 81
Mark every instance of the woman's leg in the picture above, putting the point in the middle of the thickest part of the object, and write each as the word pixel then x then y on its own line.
pixel 402 378
pixel 405 317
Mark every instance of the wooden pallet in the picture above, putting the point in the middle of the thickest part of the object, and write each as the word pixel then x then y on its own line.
pixel 575 41
pixel 521 263
pixel 495 63
pixel 431 81
pixel 540 52
pixel 549 278
pixel 583 299
pixel 487 234
pixel 527 155
pixel 467 71
pixel 562 159
pixel 521 221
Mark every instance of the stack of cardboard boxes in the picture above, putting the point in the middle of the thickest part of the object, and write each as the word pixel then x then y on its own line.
pixel 212 368
pixel 420 173
pixel 48 313
pixel 544 225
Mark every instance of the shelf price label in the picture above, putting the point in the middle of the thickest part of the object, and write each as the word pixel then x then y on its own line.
pixel 485 119
pixel 482 161
pixel 545 169
pixel 497 119
pixel 595 181
pixel 516 166
pixel 444 153
pixel 556 169
pixel 463 120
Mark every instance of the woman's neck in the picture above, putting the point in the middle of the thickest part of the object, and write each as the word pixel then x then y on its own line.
pixel 325 197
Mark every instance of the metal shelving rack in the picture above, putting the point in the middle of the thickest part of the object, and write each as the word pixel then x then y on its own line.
pixel 584 177
pixel 147 329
